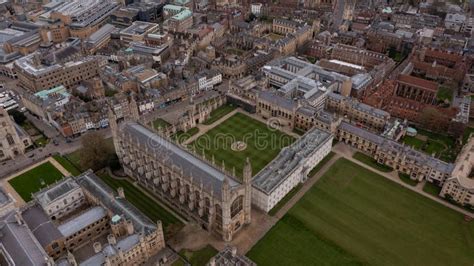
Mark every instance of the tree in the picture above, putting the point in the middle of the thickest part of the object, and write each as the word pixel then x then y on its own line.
pixel 431 119
pixel 95 153
pixel 18 116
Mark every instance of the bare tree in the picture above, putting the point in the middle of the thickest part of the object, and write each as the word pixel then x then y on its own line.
pixel 95 152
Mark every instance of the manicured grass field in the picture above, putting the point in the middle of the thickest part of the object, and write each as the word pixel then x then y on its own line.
pixel 144 203
pixel 263 144
pixel 354 216
pixel 35 179
pixel 218 113
pixel 67 165
pixel 371 162
pixel 199 257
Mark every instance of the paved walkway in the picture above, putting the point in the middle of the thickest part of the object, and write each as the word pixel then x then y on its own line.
pixel 203 129
pixel 393 176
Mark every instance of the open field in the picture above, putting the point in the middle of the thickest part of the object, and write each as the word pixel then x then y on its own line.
pixel 263 143
pixel 144 203
pixel 354 216
pixel 35 179
pixel 218 113
pixel 371 162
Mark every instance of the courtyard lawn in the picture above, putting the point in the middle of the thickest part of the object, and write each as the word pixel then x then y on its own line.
pixel 35 179
pixel 263 143
pixel 444 93
pixel 353 216
pixel 219 113
pixel 442 146
pixel 160 123
pixel 199 257
pixel 413 142
pixel 371 162
pixel 144 203
pixel 67 165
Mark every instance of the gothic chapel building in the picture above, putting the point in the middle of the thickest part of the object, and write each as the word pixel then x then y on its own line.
pixel 191 186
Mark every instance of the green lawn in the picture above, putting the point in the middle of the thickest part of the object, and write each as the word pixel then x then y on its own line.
pixel 467 133
pixel 371 162
pixel 407 180
pixel 413 142
pixel 431 189
pixel 41 141
pixel 442 146
pixel 444 93
pixel 67 165
pixel 35 179
pixel 263 144
pixel 160 123
pixel 292 192
pixel 353 216
pixel 199 257
pixel 219 113
pixel 182 136
pixel 144 203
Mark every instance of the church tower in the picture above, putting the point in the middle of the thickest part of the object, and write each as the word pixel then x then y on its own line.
pixel 247 178
pixel 133 106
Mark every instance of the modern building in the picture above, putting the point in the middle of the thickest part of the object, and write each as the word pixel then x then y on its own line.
pixel 290 168
pixel 99 39
pixel 36 76
pixel 137 31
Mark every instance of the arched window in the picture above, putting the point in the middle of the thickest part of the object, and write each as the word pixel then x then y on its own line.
pixel 236 206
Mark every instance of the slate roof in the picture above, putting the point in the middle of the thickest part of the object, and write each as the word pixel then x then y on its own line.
pixel 171 154
pixel 19 244
pixel 40 225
